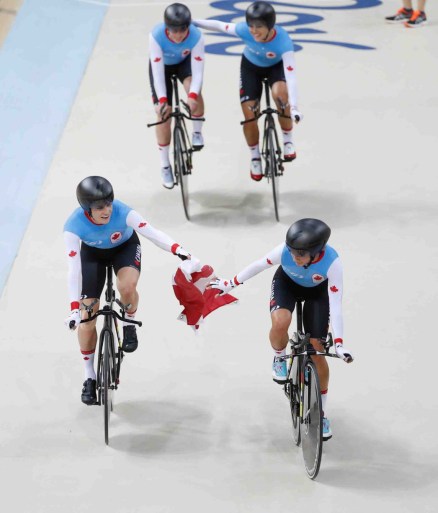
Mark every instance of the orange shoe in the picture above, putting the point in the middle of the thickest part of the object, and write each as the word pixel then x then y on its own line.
pixel 418 19
pixel 401 16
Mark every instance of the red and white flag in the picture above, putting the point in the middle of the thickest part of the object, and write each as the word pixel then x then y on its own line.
pixel 189 285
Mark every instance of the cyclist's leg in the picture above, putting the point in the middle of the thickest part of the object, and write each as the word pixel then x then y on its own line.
pixel 278 85
pixel 93 280
pixel 163 132
pixel 282 303
pixel 196 103
pixel 127 266
pixel 251 88
pixel 316 321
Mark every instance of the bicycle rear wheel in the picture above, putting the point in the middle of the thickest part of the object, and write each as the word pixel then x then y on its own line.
pixel 181 168
pixel 107 380
pixel 271 160
pixel 311 432
pixel 294 399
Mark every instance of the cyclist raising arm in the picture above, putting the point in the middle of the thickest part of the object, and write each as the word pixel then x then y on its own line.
pixel 309 270
pixel 269 52
pixel 103 231
pixel 176 48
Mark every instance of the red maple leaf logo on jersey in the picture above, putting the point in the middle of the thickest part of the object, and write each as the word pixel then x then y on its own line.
pixel 334 289
pixel 186 52
pixel 72 253
pixel 269 261
pixel 157 59
pixel 227 27
pixel 289 68
pixel 198 58
pixel 115 236
pixel 141 225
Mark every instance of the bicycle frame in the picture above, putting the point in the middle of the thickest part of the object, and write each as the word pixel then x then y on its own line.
pixel 303 389
pixel 109 358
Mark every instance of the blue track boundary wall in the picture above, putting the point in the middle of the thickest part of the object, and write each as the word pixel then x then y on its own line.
pixel 42 63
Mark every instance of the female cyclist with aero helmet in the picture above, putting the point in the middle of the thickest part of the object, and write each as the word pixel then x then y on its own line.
pixel 310 271
pixel 103 231
pixel 176 47
pixel 269 52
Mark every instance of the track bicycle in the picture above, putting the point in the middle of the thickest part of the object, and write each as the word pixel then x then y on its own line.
pixel 271 151
pixel 182 148
pixel 110 354
pixel 302 388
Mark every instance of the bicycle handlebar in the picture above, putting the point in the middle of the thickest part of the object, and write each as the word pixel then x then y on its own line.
pixel 266 111
pixel 112 313
pixel 177 114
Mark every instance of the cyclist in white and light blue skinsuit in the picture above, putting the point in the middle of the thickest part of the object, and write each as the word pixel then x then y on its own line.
pixel 269 53
pixel 103 231
pixel 310 271
pixel 176 47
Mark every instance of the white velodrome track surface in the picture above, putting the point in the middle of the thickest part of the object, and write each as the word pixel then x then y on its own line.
pixel 198 424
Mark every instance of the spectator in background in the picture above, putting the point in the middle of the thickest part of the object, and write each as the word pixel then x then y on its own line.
pixel 409 17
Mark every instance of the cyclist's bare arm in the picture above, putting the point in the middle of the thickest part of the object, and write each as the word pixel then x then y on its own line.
pixel 218 26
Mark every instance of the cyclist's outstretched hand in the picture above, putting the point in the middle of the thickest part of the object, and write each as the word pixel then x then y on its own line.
pixel 343 353
pixel 180 252
pixel 296 115
pixel 73 320
pixel 224 285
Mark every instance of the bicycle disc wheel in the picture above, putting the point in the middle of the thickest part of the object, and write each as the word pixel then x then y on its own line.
pixel 311 432
pixel 107 382
pixel 294 398
pixel 181 168
pixel 272 166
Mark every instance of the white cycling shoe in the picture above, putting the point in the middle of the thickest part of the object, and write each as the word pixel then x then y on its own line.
pixel 197 141
pixel 167 177
pixel 256 169
pixel 289 152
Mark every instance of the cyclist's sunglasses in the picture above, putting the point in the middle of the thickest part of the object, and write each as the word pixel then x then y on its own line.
pixel 101 204
pixel 177 30
pixel 298 252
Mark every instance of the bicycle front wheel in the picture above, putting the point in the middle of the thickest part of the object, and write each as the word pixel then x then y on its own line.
pixel 311 432
pixel 294 398
pixel 181 158
pixel 107 380
pixel 271 158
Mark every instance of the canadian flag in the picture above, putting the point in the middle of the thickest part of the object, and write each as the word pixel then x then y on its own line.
pixel 189 286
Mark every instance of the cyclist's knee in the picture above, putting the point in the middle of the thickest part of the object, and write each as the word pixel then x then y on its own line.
pixel 281 320
pixel 127 288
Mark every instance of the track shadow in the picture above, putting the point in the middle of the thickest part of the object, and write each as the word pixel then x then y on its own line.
pixel 165 427
pixel 366 459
